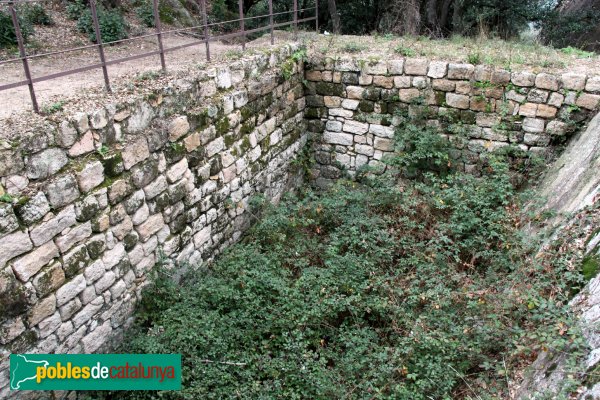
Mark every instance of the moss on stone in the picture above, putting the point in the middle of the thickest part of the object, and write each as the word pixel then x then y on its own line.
pixel 130 240
pixel 113 165
pixel 330 89
pixel 174 152
pixel 222 126
pixel 590 266
pixel 247 127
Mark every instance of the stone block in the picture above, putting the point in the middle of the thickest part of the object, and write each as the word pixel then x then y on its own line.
pixel 49 279
pixel 29 265
pixel 416 66
pixel 43 309
pixel 444 85
pixel 46 163
pixel 90 176
pixel 83 146
pixel 408 95
pixel 457 101
pixel 402 82
pixel 545 111
pixel 344 139
pixel 354 127
pixel 136 151
pixel 46 230
pixel 151 226
pixel 460 71
pixel 62 191
pixel 396 67
pixel 70 289
pixel 533 125
pixel 528 110
pixel 588 101
pixel 524 79
pixel 546 81
pixel 573 81
pixel 437 69
pixel 178 128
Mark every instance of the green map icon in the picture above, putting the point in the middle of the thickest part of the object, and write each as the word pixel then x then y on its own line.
pixel 24 369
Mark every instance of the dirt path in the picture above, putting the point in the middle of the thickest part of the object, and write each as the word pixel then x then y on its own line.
pixel 51 91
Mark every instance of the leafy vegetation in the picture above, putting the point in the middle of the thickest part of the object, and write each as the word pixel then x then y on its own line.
pixel 112 24
pixel 36 14
pixel 8 37
pixel 146 14
pixel 381 288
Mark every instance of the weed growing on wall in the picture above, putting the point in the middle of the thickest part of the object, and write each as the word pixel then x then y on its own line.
pixel 383 288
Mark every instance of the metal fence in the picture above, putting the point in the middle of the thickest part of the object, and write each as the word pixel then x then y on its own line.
pixel 205 40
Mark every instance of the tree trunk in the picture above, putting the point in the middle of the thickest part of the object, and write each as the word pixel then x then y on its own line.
pixel 335 18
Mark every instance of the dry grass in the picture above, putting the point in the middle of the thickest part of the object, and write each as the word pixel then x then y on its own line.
pixel 511 55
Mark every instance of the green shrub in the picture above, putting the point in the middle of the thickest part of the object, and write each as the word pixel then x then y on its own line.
pixel 112 24
pixel 405 51
pixel 146 14
pixel 75 9
pixel 369 290
pixel 8 37
pixel 35 14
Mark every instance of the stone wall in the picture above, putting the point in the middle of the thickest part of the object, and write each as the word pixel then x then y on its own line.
pixel 92 200
pixel 355 105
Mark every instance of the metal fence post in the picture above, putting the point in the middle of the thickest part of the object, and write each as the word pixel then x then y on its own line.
pixel 317 15
pixel 99 43
pixel 295 19
pixel 242 26
pixel 271 22
pixel 204 14
pixel 159 35
pixel 23 55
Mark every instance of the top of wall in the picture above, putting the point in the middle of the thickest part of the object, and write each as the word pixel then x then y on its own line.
pixel 510 55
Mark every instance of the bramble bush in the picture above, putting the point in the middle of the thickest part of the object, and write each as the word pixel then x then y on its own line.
pixel 382 288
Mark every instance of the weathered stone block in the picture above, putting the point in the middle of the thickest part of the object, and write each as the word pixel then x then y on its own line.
pixel 178 128
pixel 383 81
pixel 444 85
pixel 588 101
pixel 545 111
pixel 354 127
pixel 460 71
pixel 90 176
pixel 44 308
pixel 408 95
pixel 457 101
pixel 416 66
pixel 70 289
pixel 49 279
pixel 383 144
pixel 338 138
pixel 546 81
pixel 538 96
pixel 83 146
pixel 437 69
pixel 533 125
pixel 46 230
pixel 135 152
pixel 528 110
pixel 556 100
pixel 151 226
pixel 524 79
pixel 45 164
pixel 62 191
pixel 396 67
pixel 573 81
